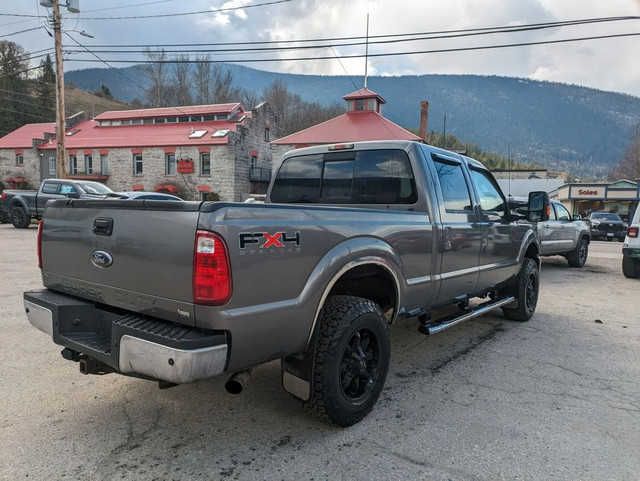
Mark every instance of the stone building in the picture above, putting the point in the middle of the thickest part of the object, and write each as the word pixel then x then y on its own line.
pixel 20 161
pixel 189 151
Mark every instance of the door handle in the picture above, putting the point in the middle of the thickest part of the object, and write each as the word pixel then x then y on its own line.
pixel 103 226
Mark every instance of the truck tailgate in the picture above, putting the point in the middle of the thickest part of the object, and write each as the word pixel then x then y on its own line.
pixel 134 254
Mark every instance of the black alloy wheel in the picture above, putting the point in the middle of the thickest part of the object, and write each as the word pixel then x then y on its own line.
pixel 359 365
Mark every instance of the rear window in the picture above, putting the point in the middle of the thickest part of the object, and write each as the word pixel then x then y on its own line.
pixel 363 177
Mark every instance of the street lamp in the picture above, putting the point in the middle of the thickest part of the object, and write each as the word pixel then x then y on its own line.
pixel 56 21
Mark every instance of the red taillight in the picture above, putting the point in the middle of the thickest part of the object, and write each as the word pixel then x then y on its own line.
pixel 39 248
pixel 211 270
pixel 632 232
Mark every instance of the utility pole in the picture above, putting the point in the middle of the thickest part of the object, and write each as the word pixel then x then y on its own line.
pixel 61 130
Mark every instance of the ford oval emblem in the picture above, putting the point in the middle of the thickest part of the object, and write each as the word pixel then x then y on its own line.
pixel 101 259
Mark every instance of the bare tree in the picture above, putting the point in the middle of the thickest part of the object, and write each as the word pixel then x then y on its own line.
pixel 628 167
pixel 181 80
pixel 155 71
pixel 202 80
pixel 223 90
pixel 293 113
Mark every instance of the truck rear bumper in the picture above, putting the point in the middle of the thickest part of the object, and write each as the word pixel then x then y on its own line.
pixel 128 342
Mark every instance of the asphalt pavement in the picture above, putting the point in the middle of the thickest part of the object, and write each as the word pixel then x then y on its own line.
pixel 556 398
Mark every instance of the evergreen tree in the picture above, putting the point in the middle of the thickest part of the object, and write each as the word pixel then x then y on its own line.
pixel 15 108
pixel 46 89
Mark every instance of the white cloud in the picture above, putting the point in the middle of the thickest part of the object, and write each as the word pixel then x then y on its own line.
pixel 608 64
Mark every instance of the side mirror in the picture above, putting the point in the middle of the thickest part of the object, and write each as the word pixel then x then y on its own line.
pixel 577 217
pixel 73 195
pixel 538 206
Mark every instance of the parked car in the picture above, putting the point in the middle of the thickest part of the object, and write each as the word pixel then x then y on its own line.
pixel 562 234
pixel 631 248
pixel 142 195
pixel 606 225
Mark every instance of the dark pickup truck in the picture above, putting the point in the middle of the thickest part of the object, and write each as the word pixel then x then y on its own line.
pixel 351 238
pixel 20 206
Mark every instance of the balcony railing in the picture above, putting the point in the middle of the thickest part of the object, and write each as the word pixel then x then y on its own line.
pixel 260 174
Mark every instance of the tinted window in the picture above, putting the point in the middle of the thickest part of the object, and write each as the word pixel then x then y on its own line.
pixel 383 177
pixel 364 177
pixel 454 187
pixel 491 201
pixel 298 180
pixel 50 188
pixel 337 180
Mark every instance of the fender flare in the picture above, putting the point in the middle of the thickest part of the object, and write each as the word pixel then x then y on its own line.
pixel 347 256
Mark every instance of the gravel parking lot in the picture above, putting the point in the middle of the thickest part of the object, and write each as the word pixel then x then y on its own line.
pixel 557 398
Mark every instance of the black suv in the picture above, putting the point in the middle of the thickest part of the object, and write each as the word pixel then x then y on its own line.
pixel 606 225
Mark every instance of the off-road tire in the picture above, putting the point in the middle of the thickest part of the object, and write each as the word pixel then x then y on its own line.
pixel 525 290
pixel 351 360
pixel 20 218
pixel 578 256
pixel 631 267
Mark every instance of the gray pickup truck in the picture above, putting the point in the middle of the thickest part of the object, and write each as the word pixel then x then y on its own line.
pixel 562 234
pixel 351 238
pixel 20 206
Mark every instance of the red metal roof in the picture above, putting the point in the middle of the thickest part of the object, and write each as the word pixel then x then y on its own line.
pixel 90 135
pixel 170 111
pixel 349 127
pixel 364 93
pixel 22 138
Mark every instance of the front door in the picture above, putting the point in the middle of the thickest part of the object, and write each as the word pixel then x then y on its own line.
pixel 48 165
pixel 500 242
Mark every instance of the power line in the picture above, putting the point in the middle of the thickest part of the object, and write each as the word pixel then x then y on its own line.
pixel 429 34
pixel 27 103
pixel 21 31
pixel 389 54
pixel 25 113
pixel 128 6
pixel 228 9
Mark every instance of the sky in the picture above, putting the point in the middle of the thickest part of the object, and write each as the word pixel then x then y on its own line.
pixel 611 64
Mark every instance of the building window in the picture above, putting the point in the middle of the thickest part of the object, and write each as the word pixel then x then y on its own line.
pixel 88 163
pixel 104 165
pixel 170 164
pixel 205 163
pixel 73 164
pixel 137 164
pixel 19 159
pixel 360 104
pixel 52 166
pixel 266 134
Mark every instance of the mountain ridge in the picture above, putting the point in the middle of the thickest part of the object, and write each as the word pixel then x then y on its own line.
pixel 560 126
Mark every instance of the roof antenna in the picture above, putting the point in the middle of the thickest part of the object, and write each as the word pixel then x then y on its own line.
pixel 366 54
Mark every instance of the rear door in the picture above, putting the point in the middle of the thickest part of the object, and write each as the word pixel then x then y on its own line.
pixel 50 190
pixel 461 235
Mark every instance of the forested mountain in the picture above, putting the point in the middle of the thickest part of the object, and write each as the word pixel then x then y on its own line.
pixel 562 127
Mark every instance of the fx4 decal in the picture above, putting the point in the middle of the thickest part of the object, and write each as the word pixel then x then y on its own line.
pixel 265 240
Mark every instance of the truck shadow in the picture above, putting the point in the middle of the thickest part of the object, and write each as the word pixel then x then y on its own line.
pixel 199 430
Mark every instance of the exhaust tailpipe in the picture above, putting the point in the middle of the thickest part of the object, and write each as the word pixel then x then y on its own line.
pixel 238 381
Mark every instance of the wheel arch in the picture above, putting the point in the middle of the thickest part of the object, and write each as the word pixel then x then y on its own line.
pixel 375 266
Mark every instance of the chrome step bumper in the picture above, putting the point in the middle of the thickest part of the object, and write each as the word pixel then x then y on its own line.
pixel 128 343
